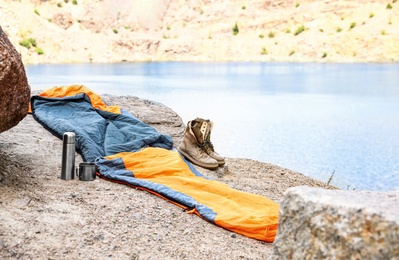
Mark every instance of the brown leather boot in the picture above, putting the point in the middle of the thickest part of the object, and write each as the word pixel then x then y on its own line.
pixel 210 150
pixel 191 150
pixel 202 130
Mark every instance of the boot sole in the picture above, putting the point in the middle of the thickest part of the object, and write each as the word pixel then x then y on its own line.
pixel 207 166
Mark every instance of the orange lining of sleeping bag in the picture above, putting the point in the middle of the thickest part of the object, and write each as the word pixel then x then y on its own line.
pixel 68 91
pixel 245 213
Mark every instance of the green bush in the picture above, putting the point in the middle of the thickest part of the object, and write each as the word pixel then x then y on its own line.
pixel 32 41
pixel 66 1
pixel 324 55
pixel 261 36
pixel 297 4
pixel 36 12
pixel 264 51
pixel 383 32
pixel 75 2
pixel 371 15
pixel 235 29
pixel 25 43
pixel 299 30
pixel 291 53
pixel 59 4
pixel 339 29
pixel 39 51
pixel 271 35
pixel 115 30
pixel 389 6
pixel 353 24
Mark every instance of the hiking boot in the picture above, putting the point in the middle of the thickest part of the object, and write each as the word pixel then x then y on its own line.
pixel 210 150
pixel 190 149
pixel 202 130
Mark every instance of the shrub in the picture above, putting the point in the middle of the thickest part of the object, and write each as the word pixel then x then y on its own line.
pixel 389 6
pixel 66 1
pixel 59 4
pixel 371 15
pixel 168 27
pixel 353 24
pixel 297 4
pixel 32 41
pixel 383 32
pixel 339 29
pixel 75 2
pixel 25 43
pixel 291 53
pixel 243 7
pixel 36 12
pixel 288 30
pixel 321 30
pixel 115 30
pixel 235 29
pixel 271 34
pixel 264 51
pixel 324 55
pixel 299 30
pixel 39 51
pixel 261 36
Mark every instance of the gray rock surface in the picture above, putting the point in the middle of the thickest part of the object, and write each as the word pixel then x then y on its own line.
pixel 14 88
pixel 334 224
pixel 45 217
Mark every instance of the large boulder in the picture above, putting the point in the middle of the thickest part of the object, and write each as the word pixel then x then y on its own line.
pixel 14 88
pixel 333 224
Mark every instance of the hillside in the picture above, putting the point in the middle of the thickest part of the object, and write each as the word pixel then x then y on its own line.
pixel 64 31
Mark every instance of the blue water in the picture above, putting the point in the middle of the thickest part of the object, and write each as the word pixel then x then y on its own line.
pixel 317 119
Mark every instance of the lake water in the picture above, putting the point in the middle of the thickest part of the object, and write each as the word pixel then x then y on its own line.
pixel 317 119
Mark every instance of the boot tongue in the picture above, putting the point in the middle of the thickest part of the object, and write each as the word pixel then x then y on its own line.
pixel 200 130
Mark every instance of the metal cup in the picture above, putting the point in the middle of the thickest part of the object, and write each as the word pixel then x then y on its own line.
pixel 86 171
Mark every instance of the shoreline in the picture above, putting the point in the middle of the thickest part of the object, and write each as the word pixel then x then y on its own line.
pixel 214 61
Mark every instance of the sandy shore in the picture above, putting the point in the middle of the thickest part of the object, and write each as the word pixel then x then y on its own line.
pixel 44 217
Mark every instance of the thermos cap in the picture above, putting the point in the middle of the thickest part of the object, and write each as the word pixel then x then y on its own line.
pixel 69 138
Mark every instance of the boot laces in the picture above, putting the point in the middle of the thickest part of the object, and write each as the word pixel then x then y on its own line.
pixel 209 144
pixel 206 146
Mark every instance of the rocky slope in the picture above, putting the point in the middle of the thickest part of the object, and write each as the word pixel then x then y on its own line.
pixel 60 31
